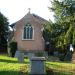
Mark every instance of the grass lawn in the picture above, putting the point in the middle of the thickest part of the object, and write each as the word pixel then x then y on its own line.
pixel 11 66
pixel 61 68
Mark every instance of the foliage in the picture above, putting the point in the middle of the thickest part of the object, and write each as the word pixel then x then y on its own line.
pixel 13 48
pixel 3 31
pixel 62 32
pixel 68 56
pixel 49 32
pixel 39 54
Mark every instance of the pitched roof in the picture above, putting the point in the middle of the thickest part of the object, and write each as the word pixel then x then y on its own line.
pixel 38 17
pixel 34 15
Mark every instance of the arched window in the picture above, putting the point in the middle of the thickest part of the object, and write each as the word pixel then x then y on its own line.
pixel 28 32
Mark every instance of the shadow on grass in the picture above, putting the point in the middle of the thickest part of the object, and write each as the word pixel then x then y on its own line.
pixel 51 71
pixel 12 61
pixel 9 73
pixel 21 73
pixel 60 73
pixel 63 73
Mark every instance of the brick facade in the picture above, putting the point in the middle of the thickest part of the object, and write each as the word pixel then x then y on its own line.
pixel 37 43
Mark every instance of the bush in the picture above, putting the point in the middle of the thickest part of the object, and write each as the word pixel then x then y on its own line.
pixel 61 57
pixel 13 48
pixel 68 56
pixel 39 54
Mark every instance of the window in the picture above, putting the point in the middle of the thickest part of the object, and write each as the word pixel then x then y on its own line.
pixel 28 32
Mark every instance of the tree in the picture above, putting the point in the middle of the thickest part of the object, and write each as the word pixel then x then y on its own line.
pixel 65 18
pixel 3 31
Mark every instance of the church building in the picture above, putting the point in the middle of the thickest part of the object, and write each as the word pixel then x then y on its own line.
pixel 28 33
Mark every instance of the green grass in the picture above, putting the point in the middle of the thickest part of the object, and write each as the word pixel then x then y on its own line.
pixel 11 66
pixel 61 68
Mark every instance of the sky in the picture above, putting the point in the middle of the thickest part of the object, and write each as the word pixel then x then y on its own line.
pixel 14 10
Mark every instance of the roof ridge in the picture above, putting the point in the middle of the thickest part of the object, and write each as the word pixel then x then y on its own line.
pixel 35 15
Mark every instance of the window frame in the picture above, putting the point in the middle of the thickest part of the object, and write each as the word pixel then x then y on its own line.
pixel 23 32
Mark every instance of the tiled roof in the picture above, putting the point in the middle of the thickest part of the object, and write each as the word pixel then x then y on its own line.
pixel 34 15
pixel 38 17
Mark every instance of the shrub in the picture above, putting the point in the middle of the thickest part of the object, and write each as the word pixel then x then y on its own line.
pixel 39 54
pixel 68 56
pixel 61 57
pixel 13 48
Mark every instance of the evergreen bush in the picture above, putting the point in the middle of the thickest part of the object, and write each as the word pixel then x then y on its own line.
pixel 13 48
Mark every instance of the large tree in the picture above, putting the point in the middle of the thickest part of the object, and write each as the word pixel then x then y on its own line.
pixel 65 18
pixel 3 31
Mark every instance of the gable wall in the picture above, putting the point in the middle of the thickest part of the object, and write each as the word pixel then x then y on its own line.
pixel 31 45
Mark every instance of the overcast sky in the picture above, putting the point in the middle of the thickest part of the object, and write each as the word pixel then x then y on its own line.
pixel 16 9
